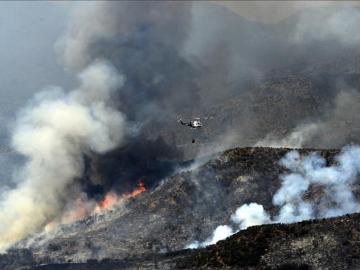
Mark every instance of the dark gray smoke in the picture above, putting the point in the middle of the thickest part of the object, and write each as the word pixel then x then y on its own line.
pixel 258 81
pixel 279 77
pixel 187 58
pixel 81 144
pixel 197 59
pixel 144 41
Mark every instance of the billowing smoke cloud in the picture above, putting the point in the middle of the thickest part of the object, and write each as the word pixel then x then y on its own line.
pixel 221 232
pixel 144 41
pixel 54 133
pixel 336 185
pixel 245 216
pixel 73 141
pixel 337 182
pixel 250 215
pixel 185 58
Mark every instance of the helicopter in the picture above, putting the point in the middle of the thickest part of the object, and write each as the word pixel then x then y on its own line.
pixel 194 123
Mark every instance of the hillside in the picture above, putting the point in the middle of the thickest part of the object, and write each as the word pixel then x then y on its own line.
pixel 317 244
pixel 186 207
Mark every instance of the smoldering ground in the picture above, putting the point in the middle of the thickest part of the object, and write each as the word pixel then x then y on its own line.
pixel 337 186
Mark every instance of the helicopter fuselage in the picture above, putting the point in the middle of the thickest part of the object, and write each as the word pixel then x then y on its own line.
pixel 192 123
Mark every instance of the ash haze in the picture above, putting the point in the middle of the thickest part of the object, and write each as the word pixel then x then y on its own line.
pixel 276 11
pixel 27 35
pixel 110 79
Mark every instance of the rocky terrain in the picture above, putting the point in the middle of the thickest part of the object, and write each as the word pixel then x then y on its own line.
pixel 189 206
pixel 316 244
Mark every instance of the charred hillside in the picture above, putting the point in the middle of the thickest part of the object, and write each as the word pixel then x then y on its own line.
pixel 316 244
pixel 185 207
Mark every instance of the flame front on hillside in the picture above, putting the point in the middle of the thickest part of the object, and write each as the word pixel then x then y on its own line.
pixel 111 198
pixel 83 207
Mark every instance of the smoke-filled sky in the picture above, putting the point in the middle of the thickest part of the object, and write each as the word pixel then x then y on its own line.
pixel 275 11
pixel 28 32
pixel 113 77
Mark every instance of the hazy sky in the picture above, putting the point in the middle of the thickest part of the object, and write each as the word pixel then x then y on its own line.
pixel 275 11
pixel 28 31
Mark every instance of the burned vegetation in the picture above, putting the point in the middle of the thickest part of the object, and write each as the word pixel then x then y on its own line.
pixel 151 229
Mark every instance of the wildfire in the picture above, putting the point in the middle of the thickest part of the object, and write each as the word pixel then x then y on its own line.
pixel 83 207
pixel 140 189
pixel 109 200
pixel 112 198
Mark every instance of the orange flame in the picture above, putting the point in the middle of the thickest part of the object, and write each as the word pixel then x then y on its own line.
pixel 109 200
pixel 83 207
pixel 112 199
pixel 140 189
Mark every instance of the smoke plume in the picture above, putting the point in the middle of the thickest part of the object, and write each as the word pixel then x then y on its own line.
pixel 54 133
pixel 73 142
pixel 337 184
pixel 143 41
pixel 245 216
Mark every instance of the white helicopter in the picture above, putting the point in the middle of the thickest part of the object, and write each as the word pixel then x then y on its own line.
pixel 194 123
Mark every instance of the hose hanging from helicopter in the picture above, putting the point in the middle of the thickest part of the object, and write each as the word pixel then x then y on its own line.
pixel 195 123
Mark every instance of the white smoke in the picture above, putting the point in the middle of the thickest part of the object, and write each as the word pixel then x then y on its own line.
pixel 53 134
pixel 221 232
pixel 336 181
pixel 337 197
pixel 295 139
pixel 250 215
pixel 245 216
